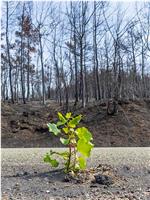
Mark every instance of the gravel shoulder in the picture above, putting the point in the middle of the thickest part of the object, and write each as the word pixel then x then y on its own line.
pixel 25 175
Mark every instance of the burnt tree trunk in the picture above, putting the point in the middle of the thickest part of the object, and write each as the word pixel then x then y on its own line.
pixel 42 65
pixel 8 55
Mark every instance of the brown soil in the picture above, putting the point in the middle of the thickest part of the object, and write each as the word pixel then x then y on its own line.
pixel 25 125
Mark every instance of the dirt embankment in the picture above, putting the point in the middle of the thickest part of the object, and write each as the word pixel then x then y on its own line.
pixel 25 125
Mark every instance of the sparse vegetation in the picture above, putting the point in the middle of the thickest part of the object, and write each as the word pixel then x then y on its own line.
pixel 78 140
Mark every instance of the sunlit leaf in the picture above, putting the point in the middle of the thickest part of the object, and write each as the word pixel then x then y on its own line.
pixel 66 130
pixel 82 162
pixel 68 115
pixel 75 121
pixel 52 162
pixel 59 123
pixel 64 141
pixel 84 133
pixel 84 148
pixel 47 158
pixel 53 128
pixel 61 118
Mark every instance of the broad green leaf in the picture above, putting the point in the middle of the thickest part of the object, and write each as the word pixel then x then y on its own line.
pixel 82 162
pixel 64 141
pixel 53 128
pixel 68 115
pixel 66 130
pixel 61 118
pixel 84 148
pixel 75 121
pixel 53 162
pixel 59 123
pixel 47 158
pixel 83 133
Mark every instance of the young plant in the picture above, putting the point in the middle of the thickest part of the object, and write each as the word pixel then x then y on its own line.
pixel 78 141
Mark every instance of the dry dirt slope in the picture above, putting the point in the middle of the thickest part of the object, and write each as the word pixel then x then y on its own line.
pixel 25 125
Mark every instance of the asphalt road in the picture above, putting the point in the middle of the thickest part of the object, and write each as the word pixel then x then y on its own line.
pixel 115 156
pixel 24 169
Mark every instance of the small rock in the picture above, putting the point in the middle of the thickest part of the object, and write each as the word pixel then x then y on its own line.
pixel 16 186
pixel 46 179
pixel 67 179
pixel 105 187
pixel 131 198
pixel 49 181
pixel 18 175
pixel 125 167
pixel 126 196
pixel 148 189
pixel 79 181
pixel 32 113
pixel 25 173
pixel 103 179
pixel 123 188
pixel 25 114
pixel 47 191
pixel 139 190
pixel 71 178
pixel 93 186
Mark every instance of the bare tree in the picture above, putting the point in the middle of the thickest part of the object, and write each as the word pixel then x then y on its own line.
pixel 75 53
pixel 8 52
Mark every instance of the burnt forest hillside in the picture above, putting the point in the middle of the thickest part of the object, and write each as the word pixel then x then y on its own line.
pixel 25 125
pixel 88 57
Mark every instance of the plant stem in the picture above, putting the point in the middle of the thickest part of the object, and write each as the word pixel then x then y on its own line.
pixel 69 159
pixel 74 158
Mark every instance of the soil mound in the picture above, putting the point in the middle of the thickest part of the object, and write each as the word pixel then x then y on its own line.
pixel 24 125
